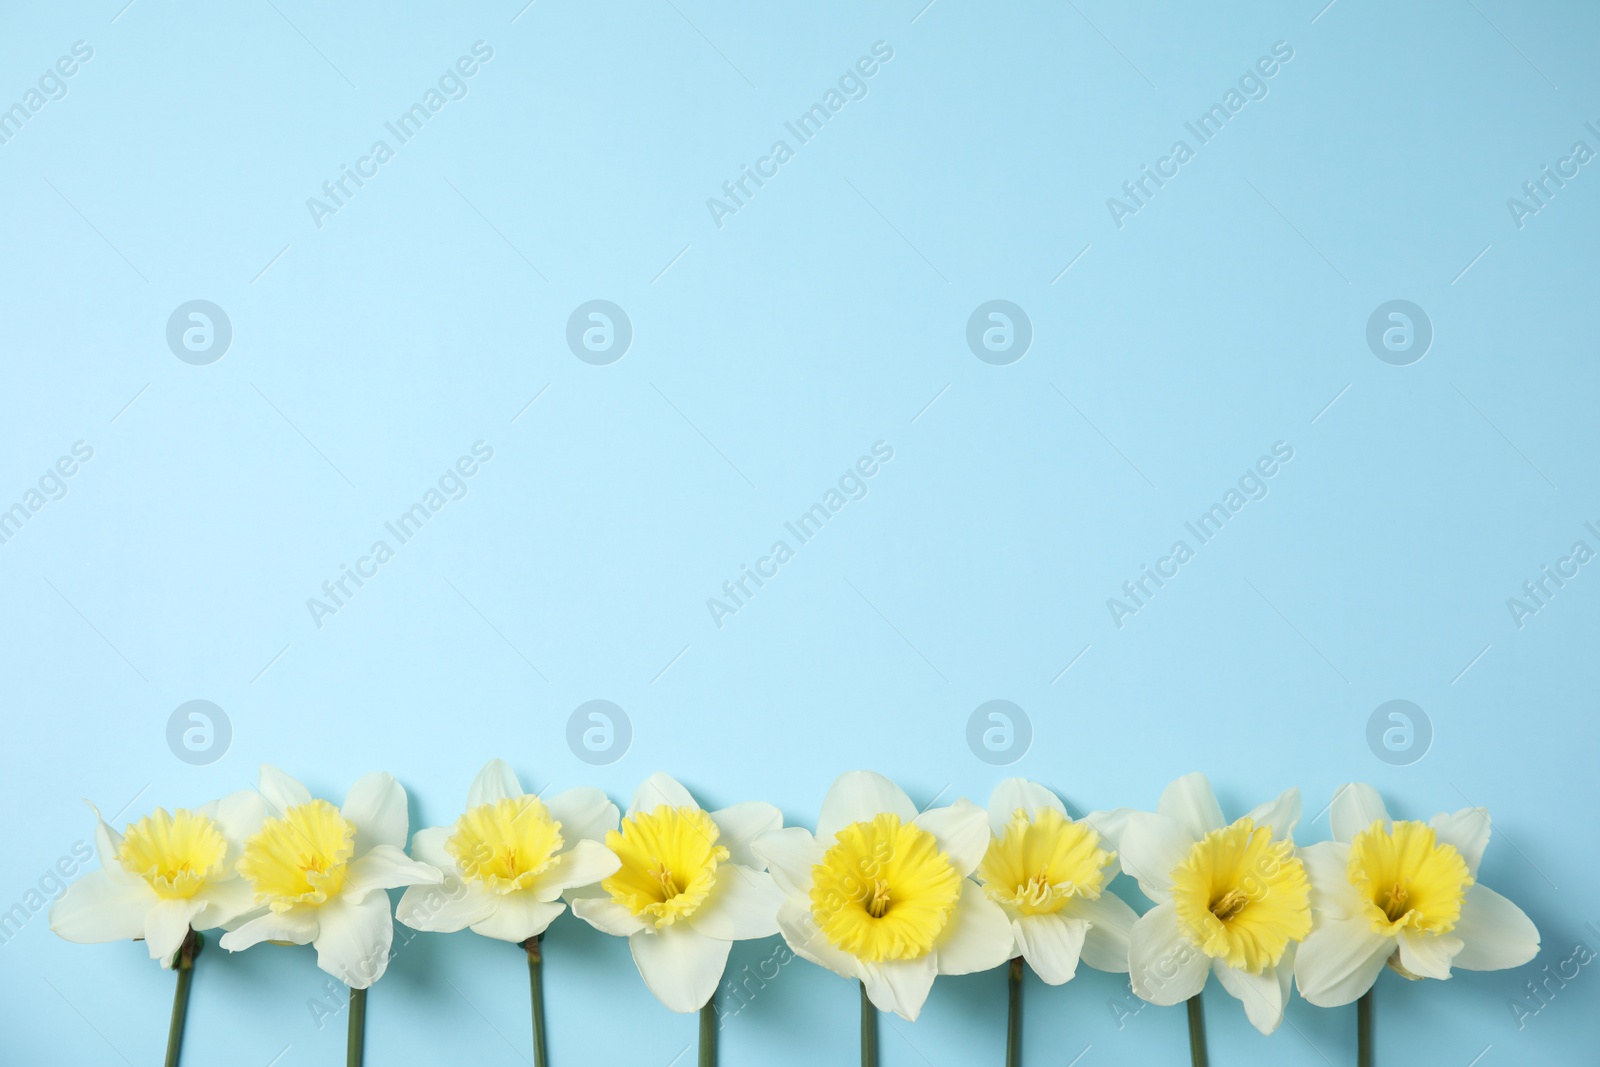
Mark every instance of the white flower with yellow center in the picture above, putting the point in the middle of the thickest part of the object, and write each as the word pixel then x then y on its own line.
pixel 508 858
pixel 1231 898
pixel 1049 875
pixel 320 873
pixel 882 894
pixel 164 875
pixel 1406 894
pixel 688 886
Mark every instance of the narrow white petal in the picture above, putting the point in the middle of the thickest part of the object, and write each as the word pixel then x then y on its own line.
pixel 280 791
pixel 1327 869
pixel 790 854
pixel 585 863
pixel 353 939
pixel 518 916
pixel 659 789
pixel 1281 814
pixel 585 814
pixel 377 806
pixel 859 796
pixel 428 846
pixel 1151 848
pixel 495 782
pixel 165 927
pixel 1340 960
pixel 222 902
pixel 743 904
pixel 1495 933
pixel 741 824
pixel 1263 995
pixel 1356 806
pixel 978 936
pixel 1163 966
pixel 1468 831
pixel 107 843
pixel 606 915
pixel 1111 920
pixel 802 935
pixel 962 830
pixel 238 816
pixel 900 986
pixel 298 926
pixel 445 908
pixel 386 867
pixel 1052 945
pixel 681 966
pixel 1191 803
pixel 99 908
pixel 1428 955
pixel 1019 794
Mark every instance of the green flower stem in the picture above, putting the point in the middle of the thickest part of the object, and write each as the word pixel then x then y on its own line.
pixel 356 1042
pixel 183 962
pixel 708 1032
pixel 536 993
pixel 869 1030
pixel 1364 1030
pixel 1197 1032
pixel 1014 1015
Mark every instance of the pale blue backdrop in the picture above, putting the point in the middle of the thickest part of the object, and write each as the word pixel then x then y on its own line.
pixel 1174 341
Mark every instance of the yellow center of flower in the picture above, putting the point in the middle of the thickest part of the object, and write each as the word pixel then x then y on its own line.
pixel 1038 865
pixel 1242 897
pixel 505 845
pixel 300 858
pixel 669 863
pixel 175 853
pixel 1407 878
pixel 884 891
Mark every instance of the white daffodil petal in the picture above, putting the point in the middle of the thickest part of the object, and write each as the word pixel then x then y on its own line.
pixel 386 867
pixel 585 863
pixel 801 934
pixel 99 908
pixel 1355 807
pixel 741 824
pixel 298 926
pixel 1495 933
pixel 222 902
pixel 585 814
pixel 238 816
pixel 428 846
pixel 900 986
pixel 1467 830
pixel 1052 945
pixel 1263 995
pixel 445 908
pixel 353 939
pixel 859 796
pixel 1151 848
pixel 1163 967
pixel 165 927
pixel 681 966
pixel 1019 794
pixel 743 904
pixel 377 806
pixel 1105 948
pixel 1110 825
pixel 1340 960
pixel 495 782
pixel 1281 814
pixel 978 935
pixel 790 854
pixel 1327 869
pixel 606 915
pixel 107 843
pixel 280 791
pixel 1192 804
pixel 962 830
pixel 659 789
pixel 518 916
pixel 1428 955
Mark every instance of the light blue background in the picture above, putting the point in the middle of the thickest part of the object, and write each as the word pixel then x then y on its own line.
pixel 824 316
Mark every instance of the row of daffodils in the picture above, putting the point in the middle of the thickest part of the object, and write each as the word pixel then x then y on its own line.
pixel 881 893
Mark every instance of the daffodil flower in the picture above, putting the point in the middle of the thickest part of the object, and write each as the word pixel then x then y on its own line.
pixel 166 874
pixel 1404 894
pixel 319 873
pixel 1231 899
pixel 689 886
pixel 1049 875
pixel 882 894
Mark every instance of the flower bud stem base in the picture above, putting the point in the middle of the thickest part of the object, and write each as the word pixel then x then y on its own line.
pixel 536 994
pixel 183 963
pixel 869 1030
